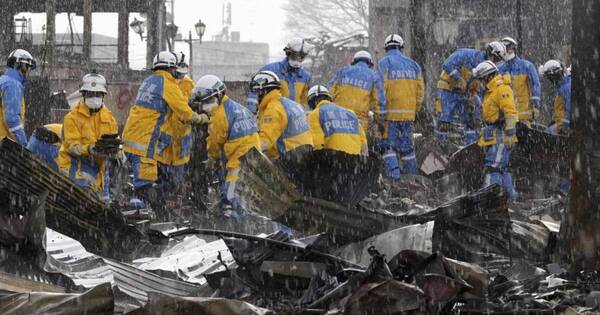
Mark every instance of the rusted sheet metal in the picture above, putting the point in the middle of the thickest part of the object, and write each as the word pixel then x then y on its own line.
pixel 70 209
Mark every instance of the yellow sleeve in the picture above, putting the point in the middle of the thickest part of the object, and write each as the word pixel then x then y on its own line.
pixel 315 129
pixel 72 135
pixel 176 101
pixel 420 92
pixel 271 125
pixel 217 133
pixel 186 86
pixel 559 111
pixel 506 103
pixel 304 95
pixel 363 141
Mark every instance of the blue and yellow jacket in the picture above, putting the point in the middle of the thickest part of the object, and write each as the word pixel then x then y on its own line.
pixel 83 128
pixel 525 84
pixel 12 108
pixel 231 134
pixel 360 89
pixel 294 83
pixel 144 134
pixel 337 128
pixel 459 65
pixel 499 112
pixel 178 152
pixel 403 86
pixel 282 125
pixel 562 103
pixel 44 149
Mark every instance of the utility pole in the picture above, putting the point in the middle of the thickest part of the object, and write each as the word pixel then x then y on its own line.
pixel 87 30
pixel 580 233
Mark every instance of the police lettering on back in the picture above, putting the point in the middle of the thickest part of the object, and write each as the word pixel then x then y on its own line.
pixel 402 74
pixel 363 84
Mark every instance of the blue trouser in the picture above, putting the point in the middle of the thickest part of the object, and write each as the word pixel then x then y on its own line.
pixel 455 103
pixel 45 151
pixel 230 199
pixel 136 165
pixel 399 142
pixel 497 159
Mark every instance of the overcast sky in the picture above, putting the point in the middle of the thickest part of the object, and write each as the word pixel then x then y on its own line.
pixel 256 20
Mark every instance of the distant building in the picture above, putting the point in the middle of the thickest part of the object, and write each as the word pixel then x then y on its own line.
pixel 104 48
pixel 229 60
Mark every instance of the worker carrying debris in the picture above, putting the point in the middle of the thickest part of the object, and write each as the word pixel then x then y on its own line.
pixel 404 90
pixel 554 71
pixel 499 131
pixel 334 127
pixel 45 143
pixel 294 79
pixel 144 136
pixel 231 134
pixel 359 88
pixel 90 138
pixel 282 123
pixel 12 88
pixel 453 87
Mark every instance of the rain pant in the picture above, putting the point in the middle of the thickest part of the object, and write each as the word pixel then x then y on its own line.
pixel 500 117
pixel 404 90
pixel 337 128
pixel 145 133
pixel 453 101
pixel 45 149
pixel 525 85
pixel 83 128
pixel 12 107
pixel 282 125
pixel 360 89
pixel 294 83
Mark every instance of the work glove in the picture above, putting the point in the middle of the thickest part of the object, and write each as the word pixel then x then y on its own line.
pixel 76 149
pixel 200 119
pixel 461 85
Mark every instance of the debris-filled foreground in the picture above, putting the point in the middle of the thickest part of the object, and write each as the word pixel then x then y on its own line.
pixel 375 248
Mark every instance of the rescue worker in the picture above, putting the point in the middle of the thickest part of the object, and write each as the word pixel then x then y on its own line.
pixel 404 88
pixel 177 154
pixel 145 136
pixel 359 88
pixel 12 88
pixel 45 143
pixel 332 126
pixel 499 116
pixel 456 96
pixel 231 134
pixel 282 122
pixel 525 82
pixel 294 80
pixel 81 157
pixel 553 70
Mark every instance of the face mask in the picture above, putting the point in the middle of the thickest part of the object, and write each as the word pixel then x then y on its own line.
pixel 295 63
pixel 93 102
pixel 209 108
pixel 510 56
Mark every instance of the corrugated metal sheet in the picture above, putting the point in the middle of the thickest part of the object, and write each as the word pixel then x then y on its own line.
pixel 67 256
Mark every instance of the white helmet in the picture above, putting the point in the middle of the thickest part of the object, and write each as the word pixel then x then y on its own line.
pixel 21 56
pixel 508 41
pixel 553 70
pixel 164 59
pixel 484 69
pixel 495 51
pixel 297 46
pixel 182 66
pixel 393 41
pixel 93 82
pixel 264 80
pixel 207 87
pixel 315 92
pixel 362 56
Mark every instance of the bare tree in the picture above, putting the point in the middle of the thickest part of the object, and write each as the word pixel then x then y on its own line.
pixel 337 18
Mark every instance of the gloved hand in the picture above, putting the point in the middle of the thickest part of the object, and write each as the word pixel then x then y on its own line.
pixel 92 149
pixel 76 149
pixel 535 113
pixel 461 85
pixel 200 118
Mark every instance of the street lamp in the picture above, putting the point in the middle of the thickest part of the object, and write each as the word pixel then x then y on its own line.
pixel 138 27
pixel 200 27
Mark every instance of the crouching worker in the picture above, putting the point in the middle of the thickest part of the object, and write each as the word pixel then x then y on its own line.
pixel 499 117
pixel 283 128
pixel 89 138
pixel 45 143
pixel 231 134
pixel 334 127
